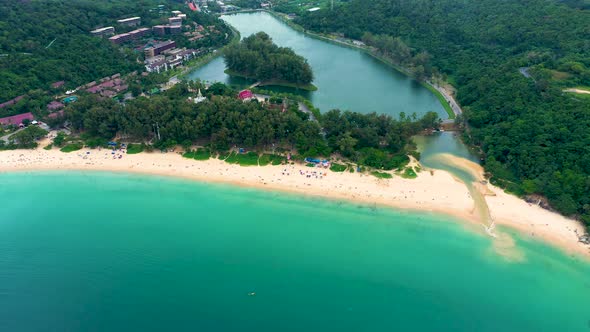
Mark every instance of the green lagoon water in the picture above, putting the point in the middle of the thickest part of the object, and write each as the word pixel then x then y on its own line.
pixel 117 252
pixel 346 78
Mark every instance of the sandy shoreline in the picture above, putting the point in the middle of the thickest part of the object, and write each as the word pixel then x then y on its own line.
pixel 435 191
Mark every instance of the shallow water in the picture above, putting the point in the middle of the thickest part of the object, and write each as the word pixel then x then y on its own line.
pixel 346 78
pixel 433 149
pixel 116 252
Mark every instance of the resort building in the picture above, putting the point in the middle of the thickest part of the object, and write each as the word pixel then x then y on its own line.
pixel 55 105
pixel 159 29
pixel 166 29
pixel 159 48
pixel 12 101
pixel 175 21
pixel 139 33
pixel 103 32
pixel 174 58
pixel 130 22
pixel 131 35
pixel 57 85
pixel 157 67
pixel 17 120
pixel 121 38
pixel 174 29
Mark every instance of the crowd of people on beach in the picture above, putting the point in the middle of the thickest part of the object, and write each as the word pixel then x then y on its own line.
pixel 115 153
pixel 313 174
pixel 308 174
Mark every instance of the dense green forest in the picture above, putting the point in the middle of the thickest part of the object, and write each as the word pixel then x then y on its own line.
pixel 535 138
pixel 31 61
pixel 42 42
pixel 258 57
pixel 223 121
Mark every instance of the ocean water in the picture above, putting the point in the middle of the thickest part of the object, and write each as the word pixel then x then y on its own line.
pixel 119 252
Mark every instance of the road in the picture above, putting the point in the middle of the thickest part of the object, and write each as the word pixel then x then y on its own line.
pixel 5 137
pixel 448 97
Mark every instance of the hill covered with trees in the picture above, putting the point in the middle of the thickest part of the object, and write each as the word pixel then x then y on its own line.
pixel 510 62
pixel 42 42
pixel 258 57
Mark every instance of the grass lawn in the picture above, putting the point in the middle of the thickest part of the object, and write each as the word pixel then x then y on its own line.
pixel 72 147
pixel 49 147
pixel 338 167
pixel 442 100
pixel 271 159
pixel 198 154
pixel 134 148
pixel 202 154
pixel 409 173
pixel 243 159
pixel 381 175
pixel 223 155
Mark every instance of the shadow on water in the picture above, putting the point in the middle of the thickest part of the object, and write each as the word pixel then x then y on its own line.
pixel 445 151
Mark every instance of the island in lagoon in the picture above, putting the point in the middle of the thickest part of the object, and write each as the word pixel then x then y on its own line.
pixel 257 57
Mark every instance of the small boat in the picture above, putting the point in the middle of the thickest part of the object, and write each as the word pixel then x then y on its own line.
pixel 251 294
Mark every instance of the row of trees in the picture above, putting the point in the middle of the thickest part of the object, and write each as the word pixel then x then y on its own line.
pixel 223 121
pixel 395 49
pixel 534 137
pixel 258 57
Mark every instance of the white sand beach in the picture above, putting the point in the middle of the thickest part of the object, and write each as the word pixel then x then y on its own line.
pixel 435 191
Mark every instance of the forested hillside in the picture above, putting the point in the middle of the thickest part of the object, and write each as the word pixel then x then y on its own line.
pixel 42 42
pixel 535 138
pixel 29 58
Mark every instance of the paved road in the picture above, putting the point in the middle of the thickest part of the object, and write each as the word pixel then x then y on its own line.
pixel 454 105
pixel 303 108
pixel 5 137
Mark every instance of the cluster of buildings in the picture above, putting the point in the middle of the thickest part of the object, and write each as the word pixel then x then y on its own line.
pixel 196 34
pixel 164 56
pixel 107 87
pixel 110 31
pixel 174 26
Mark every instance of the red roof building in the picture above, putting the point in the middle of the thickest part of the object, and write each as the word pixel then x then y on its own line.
pixel 12 102
pixel 17 119
pixel 56 114
pixel 245 95
pixel 54 105
pixel 58 84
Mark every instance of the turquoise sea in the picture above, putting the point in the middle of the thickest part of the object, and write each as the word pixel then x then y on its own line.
pixel 118 252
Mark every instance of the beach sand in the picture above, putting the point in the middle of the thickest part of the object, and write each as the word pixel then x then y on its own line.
pixel 433 190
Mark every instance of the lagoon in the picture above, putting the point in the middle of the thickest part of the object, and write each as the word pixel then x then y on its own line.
pixel 347 79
